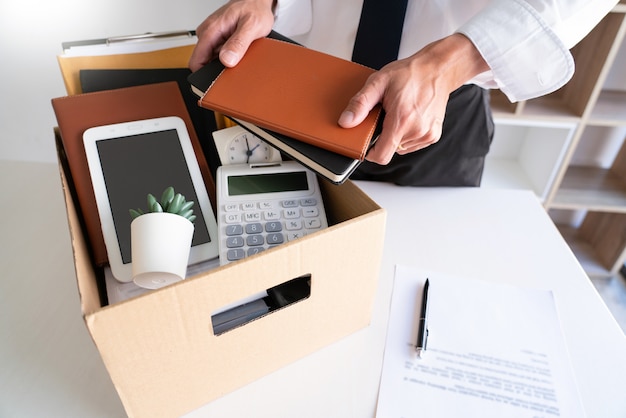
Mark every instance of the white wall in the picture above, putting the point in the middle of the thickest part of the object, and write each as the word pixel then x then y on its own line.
pixel 31 33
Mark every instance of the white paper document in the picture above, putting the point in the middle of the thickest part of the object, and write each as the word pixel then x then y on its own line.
pixel 493 350
pixel 141 43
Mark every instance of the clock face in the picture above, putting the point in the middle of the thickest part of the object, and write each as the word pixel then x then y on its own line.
pixel 235 145
pixel 246 148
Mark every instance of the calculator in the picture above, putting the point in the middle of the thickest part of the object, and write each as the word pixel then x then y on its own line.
pixel 260 206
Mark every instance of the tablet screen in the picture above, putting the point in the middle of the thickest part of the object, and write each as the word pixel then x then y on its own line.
pixel 136 165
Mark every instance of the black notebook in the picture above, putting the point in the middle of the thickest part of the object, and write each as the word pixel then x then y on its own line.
pixel 334 167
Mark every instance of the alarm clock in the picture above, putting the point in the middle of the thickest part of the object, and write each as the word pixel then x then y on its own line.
pixel 235 145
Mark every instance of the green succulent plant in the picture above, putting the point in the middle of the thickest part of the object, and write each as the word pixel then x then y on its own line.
pixel 171 202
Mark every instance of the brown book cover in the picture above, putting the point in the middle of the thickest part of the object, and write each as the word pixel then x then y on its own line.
pixel 297 92
pixel 75 114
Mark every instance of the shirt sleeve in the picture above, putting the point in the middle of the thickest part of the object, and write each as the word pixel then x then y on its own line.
pixel 293 17
pixel 526 43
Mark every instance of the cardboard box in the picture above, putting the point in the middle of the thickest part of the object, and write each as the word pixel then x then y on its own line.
pixel 159 348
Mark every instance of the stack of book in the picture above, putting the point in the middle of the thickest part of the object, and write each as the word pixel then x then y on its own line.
pixel 292 97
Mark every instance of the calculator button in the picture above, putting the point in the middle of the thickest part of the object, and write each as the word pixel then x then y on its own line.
pixel 254 240
pixel 290 203
pixel 271 215
pixel 252 216
pixel 266 205
pixel 255 228
pixel 234 242
pixel 310 212
pixel 232 218
pixel 293 225
pixel 273 227
pixel 247 206
pixel 275 238
pixel 255 250
pixel 291 213
pixel 231 207
pixel 313 223
pixel 236 254
pixel 291 235
pixel 234 230
pixel 308 202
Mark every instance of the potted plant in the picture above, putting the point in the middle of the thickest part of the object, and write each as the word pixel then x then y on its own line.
pixel 161 240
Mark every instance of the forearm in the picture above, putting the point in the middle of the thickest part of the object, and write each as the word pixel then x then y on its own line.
pixel 454 59
pixel 526 42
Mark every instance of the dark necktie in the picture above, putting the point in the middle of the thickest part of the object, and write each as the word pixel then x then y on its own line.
pixel 380 29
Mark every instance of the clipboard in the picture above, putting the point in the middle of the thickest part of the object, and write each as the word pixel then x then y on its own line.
pixel 143 51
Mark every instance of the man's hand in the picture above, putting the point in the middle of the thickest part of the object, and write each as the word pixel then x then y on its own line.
pixel 414 93
pixel 230 30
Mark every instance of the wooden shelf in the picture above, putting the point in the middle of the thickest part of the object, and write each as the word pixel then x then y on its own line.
pixel 610 109
pixel 598 242
pixel 526 154
pixel 584 252
pixel 500 104
pixel 569 147
pixel 591 188
pixel 551 107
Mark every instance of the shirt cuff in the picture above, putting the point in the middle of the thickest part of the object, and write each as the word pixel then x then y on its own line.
pixel 293 17
pixel 526 57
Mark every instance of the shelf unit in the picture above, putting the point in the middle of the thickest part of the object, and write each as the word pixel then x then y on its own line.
pixel 570 148
pixel 526 154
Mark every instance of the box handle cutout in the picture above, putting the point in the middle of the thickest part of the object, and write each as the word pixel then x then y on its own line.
pixel 278 297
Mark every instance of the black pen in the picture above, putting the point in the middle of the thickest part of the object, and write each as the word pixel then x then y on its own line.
pixel 422 330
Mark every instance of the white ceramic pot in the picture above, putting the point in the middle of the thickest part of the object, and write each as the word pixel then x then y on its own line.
pixel 160 246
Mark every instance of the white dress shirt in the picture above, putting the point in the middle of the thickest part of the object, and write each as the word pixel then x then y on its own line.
pixel 525 42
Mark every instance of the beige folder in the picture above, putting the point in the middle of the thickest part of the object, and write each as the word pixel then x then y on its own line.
pixel 175 57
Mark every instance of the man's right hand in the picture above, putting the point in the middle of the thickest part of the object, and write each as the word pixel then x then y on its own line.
pixel 230 30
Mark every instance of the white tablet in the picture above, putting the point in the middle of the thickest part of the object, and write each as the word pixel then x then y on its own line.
pixel 129 160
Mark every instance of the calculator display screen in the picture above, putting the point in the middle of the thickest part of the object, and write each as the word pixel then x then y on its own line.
pixel 267 183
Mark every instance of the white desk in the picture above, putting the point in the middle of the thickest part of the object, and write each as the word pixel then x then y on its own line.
pixel 49 367
pixel 488 234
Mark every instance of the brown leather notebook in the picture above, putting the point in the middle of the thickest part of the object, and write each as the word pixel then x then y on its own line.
pixel 297 92
pixel 75 114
